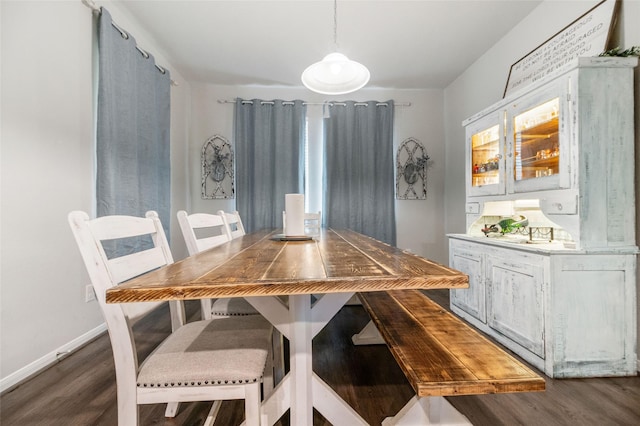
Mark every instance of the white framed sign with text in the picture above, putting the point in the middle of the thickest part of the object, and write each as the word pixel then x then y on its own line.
pixel 586 36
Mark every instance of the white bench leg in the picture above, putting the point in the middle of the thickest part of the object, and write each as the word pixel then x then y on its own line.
pixel 433 410
pixel 369 335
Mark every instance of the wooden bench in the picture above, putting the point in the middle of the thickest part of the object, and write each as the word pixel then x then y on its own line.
pixel 441 356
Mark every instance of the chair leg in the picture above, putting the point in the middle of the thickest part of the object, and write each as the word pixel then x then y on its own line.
pixel 268 375
pixel 205 306
pixel 172 409
pixel 128 412
pixel 213 413
pixel 178 315
pixel 278 356
pixel 252 404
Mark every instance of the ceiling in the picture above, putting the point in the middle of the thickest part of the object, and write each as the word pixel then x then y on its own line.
pixel 405 44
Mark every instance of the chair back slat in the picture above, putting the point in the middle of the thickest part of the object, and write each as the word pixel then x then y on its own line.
pixel 117 227
pixel 126 267
pixel 204 220
pixel 210 242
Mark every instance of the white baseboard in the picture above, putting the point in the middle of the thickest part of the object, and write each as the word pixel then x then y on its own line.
pixel 17 377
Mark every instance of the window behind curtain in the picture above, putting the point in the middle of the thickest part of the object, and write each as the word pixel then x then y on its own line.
pixel 133 145
pixel 359 186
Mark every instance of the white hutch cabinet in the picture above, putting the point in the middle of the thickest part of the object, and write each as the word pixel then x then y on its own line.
pixel 560 292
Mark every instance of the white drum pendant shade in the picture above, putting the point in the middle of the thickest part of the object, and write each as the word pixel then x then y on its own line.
pixel 335 75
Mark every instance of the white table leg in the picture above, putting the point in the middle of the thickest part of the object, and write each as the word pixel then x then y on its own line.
pixel 369 335
pixel 326 308
pixel 432 410
pixel 301 389
pixel 274 310
pixel 276 404
pixel 300 360
pixel 332 407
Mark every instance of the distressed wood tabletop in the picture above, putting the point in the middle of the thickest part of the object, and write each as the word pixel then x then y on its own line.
pixel 259 264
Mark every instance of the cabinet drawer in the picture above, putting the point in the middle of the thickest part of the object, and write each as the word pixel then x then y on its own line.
pixel 565 205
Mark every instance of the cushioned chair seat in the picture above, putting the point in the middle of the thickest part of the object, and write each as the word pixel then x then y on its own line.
pixel 218 351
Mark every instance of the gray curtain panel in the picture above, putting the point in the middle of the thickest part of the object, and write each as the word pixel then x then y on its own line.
pixel 269 139
pixel 133 151
pixel 359 169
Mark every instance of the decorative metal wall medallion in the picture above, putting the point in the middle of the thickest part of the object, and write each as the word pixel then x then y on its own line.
pixel 411 170
pixel 217 169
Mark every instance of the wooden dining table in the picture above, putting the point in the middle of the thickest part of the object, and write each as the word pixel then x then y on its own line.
pixel 260 266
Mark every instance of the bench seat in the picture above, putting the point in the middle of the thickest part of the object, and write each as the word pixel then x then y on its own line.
pixel 439 353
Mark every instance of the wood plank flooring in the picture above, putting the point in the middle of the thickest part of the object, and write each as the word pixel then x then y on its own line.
pixel 80 389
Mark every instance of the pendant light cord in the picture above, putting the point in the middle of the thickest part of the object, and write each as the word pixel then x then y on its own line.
pixel 335 25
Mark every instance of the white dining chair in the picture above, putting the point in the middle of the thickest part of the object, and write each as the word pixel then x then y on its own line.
pixel 202 231
pixel 211 360
pixel 312 223
pixel 234 223
pixel 216 230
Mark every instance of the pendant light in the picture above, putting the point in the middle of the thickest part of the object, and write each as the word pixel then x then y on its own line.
pixel 335 74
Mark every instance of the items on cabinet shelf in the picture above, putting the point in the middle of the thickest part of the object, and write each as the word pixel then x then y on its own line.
pixel 507 225
pixel 517 221
pixel 485 155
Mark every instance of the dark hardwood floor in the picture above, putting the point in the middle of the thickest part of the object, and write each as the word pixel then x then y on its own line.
pixel 80 389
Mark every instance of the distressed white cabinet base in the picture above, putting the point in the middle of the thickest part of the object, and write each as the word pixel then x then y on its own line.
pixel 570 313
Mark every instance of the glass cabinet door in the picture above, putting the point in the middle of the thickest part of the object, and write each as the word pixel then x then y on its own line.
pixel 539 150
pixel 485 140
pixel 536 142
pixel 485 156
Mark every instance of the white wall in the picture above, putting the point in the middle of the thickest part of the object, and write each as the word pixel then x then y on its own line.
pixel 419 221
pixel 47 148
pixel 483 83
